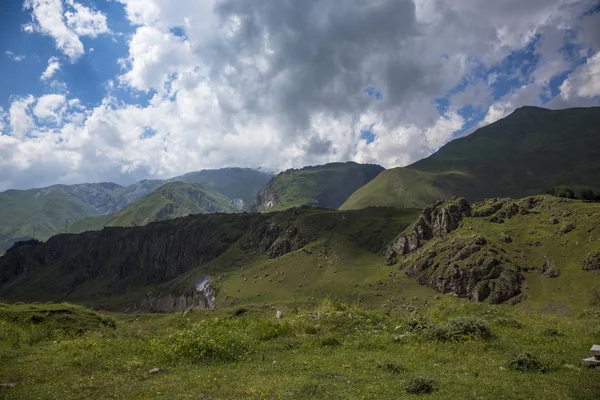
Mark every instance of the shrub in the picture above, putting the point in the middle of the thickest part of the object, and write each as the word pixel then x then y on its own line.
pixel 420 385
pixel 391 368
pixel 551 332
pixel 509 323
pixel 467 328
pixel 211 340
pixel 526 362
pixel 562 191
pixel 330 342
pixel 586 195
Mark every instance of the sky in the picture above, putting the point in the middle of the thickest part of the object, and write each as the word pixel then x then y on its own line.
pixel 124 90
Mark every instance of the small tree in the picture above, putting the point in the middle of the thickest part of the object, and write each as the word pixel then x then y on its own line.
pixel 587 195
pixel 563 191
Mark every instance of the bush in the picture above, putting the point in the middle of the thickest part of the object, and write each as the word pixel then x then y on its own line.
pixel 330 342
pixel 551 332
pixel 420 385
pixel 456 329
pixel 509 323
pixel 526 362
pixel 210 340
pixel 586 195
pixel 562 191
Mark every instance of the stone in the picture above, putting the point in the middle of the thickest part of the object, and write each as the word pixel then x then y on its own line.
pixel 279 314
pixel 592 262
pixel 506 238
pixel 595 351
pixel 591 362
pixel 154 371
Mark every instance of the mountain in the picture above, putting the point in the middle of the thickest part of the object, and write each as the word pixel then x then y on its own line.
pixel 326 186
pixel 526 153
pixel 46 210
pixel 163 266
pixel 173 200
pixel 540 252
pixel 234 183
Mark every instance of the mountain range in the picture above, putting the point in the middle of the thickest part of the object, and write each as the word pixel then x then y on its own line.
pixel 526 153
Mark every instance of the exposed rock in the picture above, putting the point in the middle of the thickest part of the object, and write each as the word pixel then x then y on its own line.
pixel 506 238
pixel 154 371
pixel 592 262
pixel 435 221
pixel 200 295
pixel 550 269
pixel 553 221
pixel 567 227
pixel 279 314
pixel 470 269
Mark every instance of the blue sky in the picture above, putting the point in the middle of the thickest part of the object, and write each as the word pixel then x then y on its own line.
pixel 121 90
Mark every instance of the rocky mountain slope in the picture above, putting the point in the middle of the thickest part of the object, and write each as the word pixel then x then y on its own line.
pixel 323 186
pixel 501 250
pixel 158 266
pixel 541 252
pixel 172 200
pixel 526 153
pixel 47 209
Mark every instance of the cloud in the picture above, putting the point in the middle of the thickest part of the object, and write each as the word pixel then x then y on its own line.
pixel 20 120
pixel 15 57
pixel 50 107
pixel 65 27
pixel 52 68
pixel 584 82
pixel 279 84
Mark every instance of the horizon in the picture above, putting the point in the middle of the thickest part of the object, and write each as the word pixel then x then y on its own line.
pixel 122 91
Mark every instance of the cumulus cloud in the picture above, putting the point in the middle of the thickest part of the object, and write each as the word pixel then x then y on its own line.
pixel 52 68
pixel 282 84
pixel 65 22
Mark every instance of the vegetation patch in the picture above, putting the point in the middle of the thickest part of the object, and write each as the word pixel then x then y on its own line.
pixel 420 385
pixel 527 362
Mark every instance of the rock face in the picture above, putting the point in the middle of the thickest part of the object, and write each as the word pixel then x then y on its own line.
pixel 592 262
pixel 200 295
pixel 436 221
pixel 470 268
pixel 550 269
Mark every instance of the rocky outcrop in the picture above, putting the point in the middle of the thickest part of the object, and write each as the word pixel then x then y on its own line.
pixel 549 269
pixel 592 262
pixel 471 269
pixel 436 221
pixel 200 295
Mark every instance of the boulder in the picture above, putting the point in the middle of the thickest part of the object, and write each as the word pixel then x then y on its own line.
pixel 592 262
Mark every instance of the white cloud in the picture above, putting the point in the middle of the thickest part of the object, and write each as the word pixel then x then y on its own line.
pixel 281 84
pixel 84 21
pixel 65 27
pixel 584 82
pixel 20 119
pixel 52 68
pixel 50 107
pixel 15 57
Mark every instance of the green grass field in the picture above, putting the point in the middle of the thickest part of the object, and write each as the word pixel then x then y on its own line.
pixel 321 350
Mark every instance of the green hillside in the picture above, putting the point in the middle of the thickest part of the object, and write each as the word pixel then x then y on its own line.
pixel 173 200
pixel 234 183
pixel 22 211
pixel 324 186
pixel 526 153
pixel 306 307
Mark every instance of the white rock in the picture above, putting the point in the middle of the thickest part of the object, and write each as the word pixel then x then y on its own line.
pixel 154 371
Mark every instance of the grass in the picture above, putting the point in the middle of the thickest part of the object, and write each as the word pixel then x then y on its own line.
pixel 253 355
pixel 523 154
pixel 323 186
pixel 173 200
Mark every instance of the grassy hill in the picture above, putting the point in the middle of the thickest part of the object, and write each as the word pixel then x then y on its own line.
pixel 526 153
pixel 351 326
pixel 323 186
pixel 23 211
pixel 46 209
pixel 234 183
pixel 173 200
